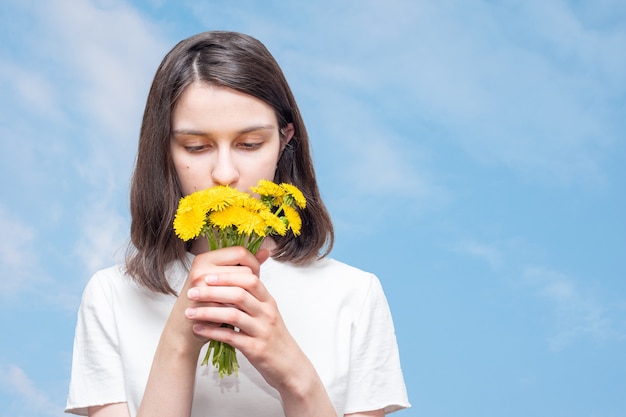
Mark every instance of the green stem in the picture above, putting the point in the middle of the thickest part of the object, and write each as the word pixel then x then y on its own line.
pixel 224 357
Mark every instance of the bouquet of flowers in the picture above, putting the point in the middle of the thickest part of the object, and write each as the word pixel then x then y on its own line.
pixel 228 217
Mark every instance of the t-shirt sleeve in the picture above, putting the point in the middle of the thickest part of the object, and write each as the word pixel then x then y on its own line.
pixel 97 377
pixel 376 379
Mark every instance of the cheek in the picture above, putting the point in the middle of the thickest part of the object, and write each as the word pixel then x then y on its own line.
pixel 185 174
pixel 268 168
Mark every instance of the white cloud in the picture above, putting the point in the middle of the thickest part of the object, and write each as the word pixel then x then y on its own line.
pixel 579 314
pixel 513 92
pixel 32 90
pixel 19 263
pixel 378 168
pixel 103 236
pixel 373 159
pixel 22 272
pixel 92 63
pixel 113 67
pixel 576 313
pixel 28 399
pixel 488 253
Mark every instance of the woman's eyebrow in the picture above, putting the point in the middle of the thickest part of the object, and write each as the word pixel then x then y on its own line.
pixel 193 132
pixel 254 128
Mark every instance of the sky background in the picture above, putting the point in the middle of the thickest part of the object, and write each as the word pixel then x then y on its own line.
pixel 472 154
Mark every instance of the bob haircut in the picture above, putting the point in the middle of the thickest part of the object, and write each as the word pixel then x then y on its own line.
pixel 239 62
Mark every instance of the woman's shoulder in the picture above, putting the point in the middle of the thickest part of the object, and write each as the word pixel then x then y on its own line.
pixel 342 289
pixel 116 277
pixel 106 282
pixel 111 275
pixel 325 266
pixel 327 271
pixel 114 288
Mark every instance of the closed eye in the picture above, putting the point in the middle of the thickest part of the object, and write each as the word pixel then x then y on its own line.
pixel 196 148
pixel 249 146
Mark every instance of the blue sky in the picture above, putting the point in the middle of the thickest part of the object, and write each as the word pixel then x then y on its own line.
pixel 472 154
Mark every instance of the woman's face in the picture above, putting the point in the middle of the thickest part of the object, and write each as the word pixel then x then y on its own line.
pixel 223 137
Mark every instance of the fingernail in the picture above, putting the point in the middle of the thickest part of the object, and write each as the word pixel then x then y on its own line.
pixel 210 279
pixel 190 313
pixel 193 293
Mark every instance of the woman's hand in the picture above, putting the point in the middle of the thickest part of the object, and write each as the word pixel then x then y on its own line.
pixel 181 322
pixel 235 295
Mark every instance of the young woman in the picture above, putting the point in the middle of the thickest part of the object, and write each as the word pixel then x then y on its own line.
pixel 314 336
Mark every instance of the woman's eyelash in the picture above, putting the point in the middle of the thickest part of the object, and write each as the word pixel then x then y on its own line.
pixel 196 148
pixel 250 145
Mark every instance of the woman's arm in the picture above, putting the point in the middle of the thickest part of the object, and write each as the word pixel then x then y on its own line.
pixel 374 413
pixel 109 410
pixel 170 387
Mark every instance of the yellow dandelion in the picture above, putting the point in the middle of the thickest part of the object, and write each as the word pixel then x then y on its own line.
pixel 241 220
pixel 250 203
pixel 295 193
pixel 218 197
pixel 259 226
pixel 266 188
pixel 294 222
pixel 189 219
pixel 250 222
pixel 228 217
pixel 273 223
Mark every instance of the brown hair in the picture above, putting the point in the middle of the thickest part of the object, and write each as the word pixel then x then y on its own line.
pixel 231 60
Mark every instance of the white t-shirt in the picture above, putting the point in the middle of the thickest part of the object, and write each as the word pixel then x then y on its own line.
pixel 338 315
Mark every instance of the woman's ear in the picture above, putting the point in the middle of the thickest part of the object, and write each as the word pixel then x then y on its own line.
pixel 286 133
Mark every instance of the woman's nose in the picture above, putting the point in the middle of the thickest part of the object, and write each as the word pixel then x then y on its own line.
pixel 225 171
